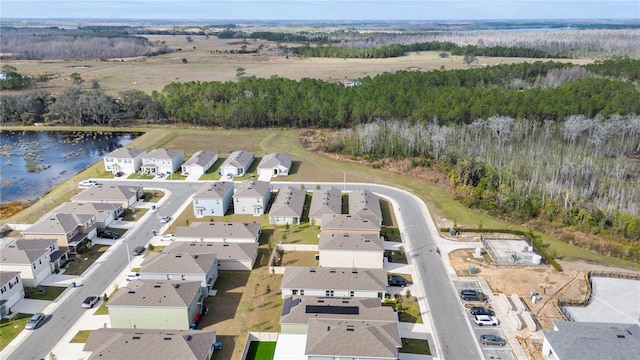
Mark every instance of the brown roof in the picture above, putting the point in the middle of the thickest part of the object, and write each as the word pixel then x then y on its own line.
pixel 348 223
pixel 366 204
pixel 326 278
pixel 252 188
pixel 107 193
pixel 350 241
pixel 325 201
pixel 299 309
pixel 214 190
pixel 156 293
pixel 290 202
pixel 353 338
pixel 178 263
pixel 226 230
pixel 58 224
pixel 223 251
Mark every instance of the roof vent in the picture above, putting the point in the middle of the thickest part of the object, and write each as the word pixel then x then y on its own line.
pixel 157 286
pixel 178 255
pixel 136 338
pixel 351 328
pixel 167 338
pixel 176 286
pixel 620 336
pixel 192 244
pixel 328 327
pixel 312 270
pixel 189 337
pixel 132 291
pixel 333 271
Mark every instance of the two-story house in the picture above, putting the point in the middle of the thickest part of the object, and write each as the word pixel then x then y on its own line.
pixel 334 282
pixel 251 197
pixel 72 231
pixel 165 161
pixel 126 160
pixel 230 256
pixel 181 266
pixel 325 202
pixel 11 291
pixel 237 164
pixel 199 163
pixel 365 204
pixel 288 206
pixel 342 223
pixel 35 259
pixel 219 232
pixel 105 213
pixel 351 250
pixel 213 199
pixel 122 195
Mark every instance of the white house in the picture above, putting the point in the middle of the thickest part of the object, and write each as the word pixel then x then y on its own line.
pixel 288 206
pixel 231 256
pixel 237 164
pixel 126 160
pixel 366 204
pixel 213 199
pixel 181 266
pixel 164 161
pixel 219 232
pixel 11 290
pixel 34 259
pixel 273 165
pixel 351 250
pixel 199 163
pixel 325 201
pixel 251 197
pixel 330 282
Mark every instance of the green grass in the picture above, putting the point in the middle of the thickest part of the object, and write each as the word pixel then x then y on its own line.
pixel 103 310
pixel 9 329
pixel 415 346
pixel 153 196
pixel 261 350
pixel 50 292
pixel 410 309
pixel 81 262
pixel 140 177
pixel 80 337
pixel 130 215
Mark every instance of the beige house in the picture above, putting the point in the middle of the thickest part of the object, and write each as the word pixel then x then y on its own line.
pixel 231 256
pixel 334 282
pixel 34 259
pixel 169 265
pixel 118 344
pixel 124 160
pixel 351 250
pixel 219 232
pixel 105 212
pixel 325 202
pixel 349 223
pixel 72 231
pixel 11 291
pixel 157 304
pixel 288 207
pixel 365 204
pixel 124 196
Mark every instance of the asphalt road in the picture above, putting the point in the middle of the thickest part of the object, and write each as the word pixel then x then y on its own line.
pixel 454 337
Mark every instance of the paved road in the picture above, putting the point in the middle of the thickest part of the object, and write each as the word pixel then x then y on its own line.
pixel 454 337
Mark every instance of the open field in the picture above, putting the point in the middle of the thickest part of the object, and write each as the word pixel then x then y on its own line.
pixel 206 61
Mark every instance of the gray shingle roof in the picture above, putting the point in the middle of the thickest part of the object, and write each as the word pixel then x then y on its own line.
pixel 6 276
pixel 594 341
pixel 156 293
pixel 118 344
pixel 289 202
pixel 214 190
pixel 163 154
pixel 100 210
pixel 125 153
pixel 223 251
pixel 350 241
pixel 252 189
pixel 25 251
pixel 366 204
pixel 325 201
pixel 353 338
pixel 299 309
pixel 239 159
pixel 202 158
pixel 324 278
pixel 178 263
pixel 106 193
pixel 271 161
pixel 346 223
pixel 58 224
pixel 226 230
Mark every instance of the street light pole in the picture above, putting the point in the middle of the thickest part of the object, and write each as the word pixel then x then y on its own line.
pixel 344 180
pixel 128 255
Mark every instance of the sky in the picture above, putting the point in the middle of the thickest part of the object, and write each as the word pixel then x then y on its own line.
pixel 320 9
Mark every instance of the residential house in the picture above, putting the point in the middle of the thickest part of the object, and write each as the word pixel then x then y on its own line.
pixel 348 223
pixel 288 207
pixel 126 160
pixel 230 256
pixel 118 344
pixel 352 339
pixel 252 197
pixel 298 310
pixel 165 161
pixel 122 195
pixel 72 231
pixel 199 163
pixel 237 164
pixel 366 204
pixel 351 250
pixel 35 259
pixel 11 291
pixel 105 213
pixel 156 304
pixel 213 199
pixel 219 232
pixel 182 266
pixel 325 201
pixel 334 282
pixel 273 165
pixel 572 340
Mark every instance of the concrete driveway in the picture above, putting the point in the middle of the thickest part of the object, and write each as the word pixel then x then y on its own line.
pixel 30 306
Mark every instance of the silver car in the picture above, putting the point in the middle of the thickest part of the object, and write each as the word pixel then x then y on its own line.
pixel 35 321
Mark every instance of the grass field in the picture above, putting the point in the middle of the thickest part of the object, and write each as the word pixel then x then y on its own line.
pixel 261 350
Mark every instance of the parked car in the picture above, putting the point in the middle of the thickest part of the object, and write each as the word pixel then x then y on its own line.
pixel 119 174
pixel 160 175
pixel 489 339
pixel 108 234
pixel 88 183
pixel 165 219
pixel 481 320
pixel 229 175
pixel 90 301
pixel 132 276
pixel 138 250
pixel 472 295
pixel 395 280
pixel 480 310
pixel 167 237
pixel 35 321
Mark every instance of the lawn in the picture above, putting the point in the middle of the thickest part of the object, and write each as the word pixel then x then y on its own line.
pixel 81 262
pixel 407 308
pixel 80 337
pixel 153 196
pixel 261 350
pixel 49 293
pixel 415 346
pixel 10 328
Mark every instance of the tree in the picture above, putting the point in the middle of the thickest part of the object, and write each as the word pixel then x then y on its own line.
pixel 77 79
pixel 468 59
pixel 184 61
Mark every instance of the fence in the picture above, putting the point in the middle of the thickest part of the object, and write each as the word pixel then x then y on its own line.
pixel 257 336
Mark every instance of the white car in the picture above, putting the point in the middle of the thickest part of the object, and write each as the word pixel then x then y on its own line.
pixel 90 301
pixel 481 320
pixel 167 237
pixel 132 276
pixel 165 219
pixel 88 183
pixel 160 175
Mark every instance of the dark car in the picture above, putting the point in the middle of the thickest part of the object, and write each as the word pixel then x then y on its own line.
pixel 108 234
pixel 90 301
pixel 119 173
pixel 35 321
pixel 479 310
pixel 138 250
pixel 471 295
pixel 395 280
pixel 489 339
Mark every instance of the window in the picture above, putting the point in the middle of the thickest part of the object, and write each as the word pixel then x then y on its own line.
pixel 109 160
pixel 294 292
pixel 329 293
pixel 352 293
pixel 184 277
pixel 127 161
pixel 301 292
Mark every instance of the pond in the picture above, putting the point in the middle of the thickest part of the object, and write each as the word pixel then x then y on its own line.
pixel 33 162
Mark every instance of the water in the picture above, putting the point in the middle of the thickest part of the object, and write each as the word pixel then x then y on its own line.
pixel 33 162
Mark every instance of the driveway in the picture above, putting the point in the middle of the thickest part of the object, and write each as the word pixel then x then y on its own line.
pixel 30 306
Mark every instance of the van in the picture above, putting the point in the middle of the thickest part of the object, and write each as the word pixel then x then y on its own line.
pixel 132 276
pixel 471 295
